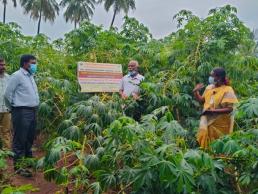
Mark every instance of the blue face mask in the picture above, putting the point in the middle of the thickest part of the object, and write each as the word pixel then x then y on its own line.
pixel 132 73
pixel 211 80
pixel 33 68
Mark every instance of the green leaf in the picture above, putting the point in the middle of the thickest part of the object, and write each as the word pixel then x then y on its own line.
pixel 231 147
pixel 166 149
pixel 62 176
pixel 73 133
pixel 96 188
pixel 144 177
pixel 245 179
pixel 184 175
pixel 81 111
pixel 45 109
pixel 79 170
pixel 60 146
pixel 93 127
pixel 193 157
pixel 64 125
pixel 92 161
pixel 19 190
pixel 100 151
pixel 207 184
pixel 217 146
pixel 94 118
pixel 184 181
pixel 107 178
pixel 167 171
pixel 250 108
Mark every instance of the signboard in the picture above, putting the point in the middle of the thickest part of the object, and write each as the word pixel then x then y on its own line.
pixel 99 77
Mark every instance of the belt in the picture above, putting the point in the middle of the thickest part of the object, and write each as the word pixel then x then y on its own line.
pixel 25 107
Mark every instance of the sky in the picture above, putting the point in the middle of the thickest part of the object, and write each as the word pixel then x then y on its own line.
pixel 157 15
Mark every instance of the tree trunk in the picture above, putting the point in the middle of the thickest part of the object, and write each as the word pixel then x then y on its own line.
pixel 40 16
pixel 113 19
pixel 75 24
pixel 4 13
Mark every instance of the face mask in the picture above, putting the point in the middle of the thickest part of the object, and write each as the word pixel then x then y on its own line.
pixel 211 80
pixel 132 73
pixel 33 68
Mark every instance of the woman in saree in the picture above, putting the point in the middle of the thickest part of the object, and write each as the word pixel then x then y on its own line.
pixel 218 99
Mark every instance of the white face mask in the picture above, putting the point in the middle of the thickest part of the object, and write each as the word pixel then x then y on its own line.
pixel 133 73
pixel 212 80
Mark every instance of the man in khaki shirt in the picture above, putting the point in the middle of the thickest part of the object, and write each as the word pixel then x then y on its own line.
pixel 5 117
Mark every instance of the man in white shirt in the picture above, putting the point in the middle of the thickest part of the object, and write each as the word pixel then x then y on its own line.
pixel 22 96
pixel 129 85
pixel 5 117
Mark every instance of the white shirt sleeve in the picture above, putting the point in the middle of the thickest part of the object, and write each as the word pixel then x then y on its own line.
pixel 121 85
pixel 10 90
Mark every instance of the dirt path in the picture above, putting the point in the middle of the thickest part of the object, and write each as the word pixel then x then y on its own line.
pixel 37 180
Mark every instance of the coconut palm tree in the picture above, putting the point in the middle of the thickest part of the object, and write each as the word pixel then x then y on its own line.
pixel 38 9
pixel 78 10
pixel 5 4
pixel 118 5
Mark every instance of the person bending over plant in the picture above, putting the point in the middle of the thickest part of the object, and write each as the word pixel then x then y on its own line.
pixel 218 98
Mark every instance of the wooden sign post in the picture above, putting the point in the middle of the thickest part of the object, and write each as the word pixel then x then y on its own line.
pixel 99 77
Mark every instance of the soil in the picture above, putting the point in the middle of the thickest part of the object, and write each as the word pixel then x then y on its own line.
pixel 37 180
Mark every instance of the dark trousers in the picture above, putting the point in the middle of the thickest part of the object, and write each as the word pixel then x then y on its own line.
pixel 24 130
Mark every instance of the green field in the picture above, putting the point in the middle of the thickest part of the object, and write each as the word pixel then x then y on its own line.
pixel 92 144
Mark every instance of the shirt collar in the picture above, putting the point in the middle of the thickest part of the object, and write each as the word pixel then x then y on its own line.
pixel 25 72
pixel 136 77
pixel 4 76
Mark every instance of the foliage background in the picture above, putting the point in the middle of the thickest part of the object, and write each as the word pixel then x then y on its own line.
pixel 94 144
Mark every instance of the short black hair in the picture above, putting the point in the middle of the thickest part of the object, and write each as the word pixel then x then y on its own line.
pixel 26 59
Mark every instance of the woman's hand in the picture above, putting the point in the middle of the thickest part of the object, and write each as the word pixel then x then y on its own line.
pixel 196 90
pixel 198 87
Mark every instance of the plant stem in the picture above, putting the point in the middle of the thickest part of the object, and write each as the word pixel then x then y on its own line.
pixel 59 111
pixel 83 148
pixel 123 189
pixel 73 163
pixel 90 148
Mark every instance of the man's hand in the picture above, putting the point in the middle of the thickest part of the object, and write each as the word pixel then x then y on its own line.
pixel 198 87
pixel 124 96
pixel 135 96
